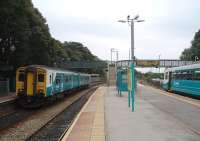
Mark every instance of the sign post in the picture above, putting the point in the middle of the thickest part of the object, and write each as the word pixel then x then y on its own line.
pixel 131 22
pixel 131 86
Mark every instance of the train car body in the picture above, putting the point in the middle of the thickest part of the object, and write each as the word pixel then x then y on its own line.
pixel 37 82
pixel 95 78
pixel 184 79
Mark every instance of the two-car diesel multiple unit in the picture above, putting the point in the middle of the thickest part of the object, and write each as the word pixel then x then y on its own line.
pixel 36 82
pixel 184 79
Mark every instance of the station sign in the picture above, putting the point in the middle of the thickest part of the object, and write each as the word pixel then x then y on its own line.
pixel 147 63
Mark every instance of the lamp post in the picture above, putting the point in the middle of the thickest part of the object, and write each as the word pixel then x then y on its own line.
pixel 131 22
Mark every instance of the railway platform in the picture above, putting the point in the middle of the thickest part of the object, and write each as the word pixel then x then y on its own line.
pixel 7 97
pixel 89 124
pixel 158 116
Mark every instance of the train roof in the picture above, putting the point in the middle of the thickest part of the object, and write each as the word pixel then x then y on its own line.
pixel 54 69
pixel 187 67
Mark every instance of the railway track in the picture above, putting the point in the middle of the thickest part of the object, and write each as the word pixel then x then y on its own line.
pixel 6 107
pixel 51 128
pixel 55 128
pixel 10 114
pixel 13 117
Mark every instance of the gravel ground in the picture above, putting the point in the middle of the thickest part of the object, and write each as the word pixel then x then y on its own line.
pixel 24 129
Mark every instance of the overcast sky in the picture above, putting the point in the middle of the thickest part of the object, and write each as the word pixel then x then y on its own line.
pixel 169 25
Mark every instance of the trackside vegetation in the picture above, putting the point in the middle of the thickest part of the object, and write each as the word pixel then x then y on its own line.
pixel 192 53
pixel 25 38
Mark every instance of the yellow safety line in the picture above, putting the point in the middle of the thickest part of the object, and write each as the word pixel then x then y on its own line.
pixel 173 96
pixel 76 119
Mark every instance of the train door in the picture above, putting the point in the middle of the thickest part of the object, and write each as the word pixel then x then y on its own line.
pixel 67 82
pixel 165 83
pixel 71 81
pixel 58 83
pixel 30 83
pixel 20 80
pixel 41 83
pixel 170 80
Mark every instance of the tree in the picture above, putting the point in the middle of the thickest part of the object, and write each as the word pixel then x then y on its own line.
pixel 77 51
pixel 25 38
pixel 23 27
pixel 194 51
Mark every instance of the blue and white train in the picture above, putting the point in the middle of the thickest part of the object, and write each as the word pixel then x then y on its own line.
pixel 36 82
pixel 184 79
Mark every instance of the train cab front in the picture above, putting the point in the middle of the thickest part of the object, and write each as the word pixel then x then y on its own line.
pixel 30 85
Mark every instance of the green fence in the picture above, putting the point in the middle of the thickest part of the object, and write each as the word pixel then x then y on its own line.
pixel 4 87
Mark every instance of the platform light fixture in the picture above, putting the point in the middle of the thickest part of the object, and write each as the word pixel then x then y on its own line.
pixel 131 22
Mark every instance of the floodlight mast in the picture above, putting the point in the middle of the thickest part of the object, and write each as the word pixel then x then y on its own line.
pixel 131 21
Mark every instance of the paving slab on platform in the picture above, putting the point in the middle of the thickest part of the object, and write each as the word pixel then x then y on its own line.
pixel 7 97
pixel 89 124
pixel 157 117
pixel 149 122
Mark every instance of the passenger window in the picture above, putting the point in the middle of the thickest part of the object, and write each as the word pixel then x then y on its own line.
pixel 173 76
pixel 66 79
pixel 40 77
pixel 21 77
pixel 197 75
pixel 57 81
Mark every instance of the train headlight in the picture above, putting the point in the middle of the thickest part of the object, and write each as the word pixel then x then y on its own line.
pixel 40 91
pixel 20 90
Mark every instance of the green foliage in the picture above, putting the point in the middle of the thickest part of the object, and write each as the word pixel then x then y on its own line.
pixel 77 51
pixel 190 53
pixel 23 26
pixel 149 76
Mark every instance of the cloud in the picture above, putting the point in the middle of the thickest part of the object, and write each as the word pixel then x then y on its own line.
pixel 168 28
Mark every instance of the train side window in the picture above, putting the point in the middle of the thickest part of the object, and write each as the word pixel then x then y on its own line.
pixel 40 77
pixel 21 77
pixel 182 76
pixel 66 79
pixel 193 76
pixel 177 76
pixel 189 76
pixel 57 81
pixel 173 75
pixel 197 75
